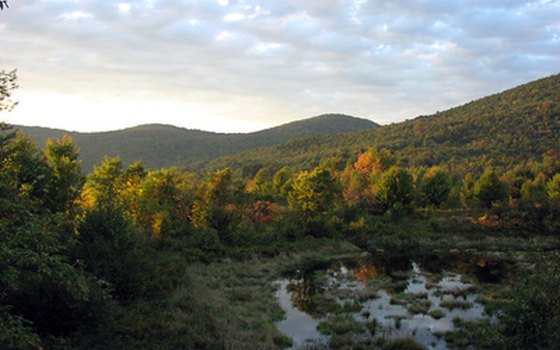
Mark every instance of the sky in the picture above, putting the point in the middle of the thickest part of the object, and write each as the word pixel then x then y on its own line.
pixel 245 65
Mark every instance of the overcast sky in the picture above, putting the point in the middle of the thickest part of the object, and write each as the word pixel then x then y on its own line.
pixel 243 65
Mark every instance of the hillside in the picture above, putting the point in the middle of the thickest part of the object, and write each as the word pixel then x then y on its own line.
pixel 501 129
pixel 164 145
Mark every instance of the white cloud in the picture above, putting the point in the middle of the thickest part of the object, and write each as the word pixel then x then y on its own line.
pixel 234 17
pixel 253 60
pixel 124 7
pixel 223 36
pixel 74 16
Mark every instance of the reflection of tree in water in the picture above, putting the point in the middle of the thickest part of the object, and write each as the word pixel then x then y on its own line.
pixel 366 270
pixel 302 292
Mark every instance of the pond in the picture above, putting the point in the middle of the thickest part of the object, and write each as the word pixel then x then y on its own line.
pixel 367 299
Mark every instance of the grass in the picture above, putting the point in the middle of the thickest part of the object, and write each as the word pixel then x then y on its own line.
pixel 340 324
pixel 239 295
pixel 415 303
pixel 476 335
pixel 437 314
pixel 231 303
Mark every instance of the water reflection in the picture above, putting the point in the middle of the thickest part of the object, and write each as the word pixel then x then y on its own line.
pixel 403 299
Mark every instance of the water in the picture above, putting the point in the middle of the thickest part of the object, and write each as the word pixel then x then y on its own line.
pixel 387 298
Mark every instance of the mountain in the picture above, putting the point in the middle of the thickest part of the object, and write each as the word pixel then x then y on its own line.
pixel 503 129
pixel 164 145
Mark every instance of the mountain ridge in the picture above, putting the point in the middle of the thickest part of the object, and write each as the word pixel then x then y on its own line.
pixel 514 125
pixel 163 145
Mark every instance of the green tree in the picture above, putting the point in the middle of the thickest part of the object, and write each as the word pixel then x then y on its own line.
pixel 103 185
pixel 313 192
pixel 110 251
pixel 553 192
pixel 164 203
pixel 489 188
pixel 66 182
pixel 281 182
pixel 435 187
pixel 395 190
pixel 534 189
pixel 42 289
pixel 216 191
pixel 467 191
pixel 262 183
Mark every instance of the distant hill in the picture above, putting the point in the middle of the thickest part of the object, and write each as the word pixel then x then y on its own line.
pixel 502 129
pixel 164 145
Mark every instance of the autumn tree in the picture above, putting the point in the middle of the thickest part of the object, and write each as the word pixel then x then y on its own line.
pixel 165 202
pixel 130 191
pixel 216 192
pixel 103 185
pixel 489 188
pixel 357 190
pixel 372 162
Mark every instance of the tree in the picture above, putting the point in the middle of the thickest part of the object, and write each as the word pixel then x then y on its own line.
pixel 4 4
pixel 553 192
pixel 103 185
pixel 489 188
pixel 281 182
pixel 532 319
pixel 164 203
pixel 436 186
pixel 534 189
pixel 372 162
pixel 395 190
pixel 110 250
pixel 216 192
pixel 467 191
pixel 313 192
pixel 356 189
pixel 66 182
pixel 262 183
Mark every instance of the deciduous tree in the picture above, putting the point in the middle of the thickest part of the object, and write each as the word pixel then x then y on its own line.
pixel 395 190
pixel 435 188
pixel 489 188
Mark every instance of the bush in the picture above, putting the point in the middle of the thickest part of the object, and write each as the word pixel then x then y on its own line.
pixel 532 319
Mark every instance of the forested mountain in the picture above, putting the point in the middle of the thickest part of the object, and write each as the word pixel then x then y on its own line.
pixel 164 145
pixel 502 129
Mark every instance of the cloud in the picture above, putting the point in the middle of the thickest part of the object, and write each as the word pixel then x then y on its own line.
pixel 271 61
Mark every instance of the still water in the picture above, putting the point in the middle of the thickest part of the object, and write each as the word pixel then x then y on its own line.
pixel 401 301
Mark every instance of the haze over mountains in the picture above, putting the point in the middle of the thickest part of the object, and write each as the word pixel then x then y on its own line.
pixel 506 128
pixel 520 123
pixel 165 145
